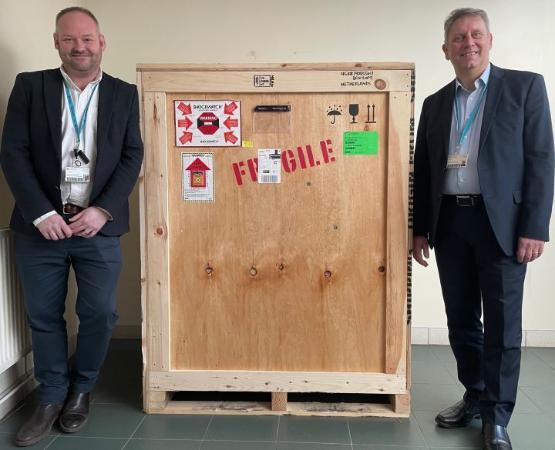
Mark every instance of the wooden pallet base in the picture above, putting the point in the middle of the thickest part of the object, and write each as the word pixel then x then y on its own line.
pixel 279 403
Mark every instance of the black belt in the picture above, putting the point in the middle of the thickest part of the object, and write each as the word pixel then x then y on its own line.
pixel 70 209
pixel 464 199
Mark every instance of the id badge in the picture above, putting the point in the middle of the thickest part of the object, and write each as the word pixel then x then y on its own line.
pixel 457 161
pixel 78 174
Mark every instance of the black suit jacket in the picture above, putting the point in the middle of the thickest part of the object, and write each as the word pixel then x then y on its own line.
pixel 515 158
pixel 31 149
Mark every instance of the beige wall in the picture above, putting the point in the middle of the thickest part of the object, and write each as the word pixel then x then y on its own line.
pixel 290 31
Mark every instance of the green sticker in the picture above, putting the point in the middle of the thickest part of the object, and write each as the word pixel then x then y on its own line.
pixel 360 142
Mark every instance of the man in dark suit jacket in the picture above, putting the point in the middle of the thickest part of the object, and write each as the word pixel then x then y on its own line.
pixel 71 152
pixel 483 193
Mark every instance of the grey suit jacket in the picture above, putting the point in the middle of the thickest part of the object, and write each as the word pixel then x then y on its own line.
pixel 515 158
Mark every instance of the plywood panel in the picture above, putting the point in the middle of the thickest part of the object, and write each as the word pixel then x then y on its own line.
pixel 325 218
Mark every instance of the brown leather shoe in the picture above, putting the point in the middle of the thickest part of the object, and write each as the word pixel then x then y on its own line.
pixel 459 415
pixel 38 426
pixel 75 413
pixel 495 437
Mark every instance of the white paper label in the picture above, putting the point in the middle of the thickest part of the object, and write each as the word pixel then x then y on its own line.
pixel 78 174
pixel 269 165
pixel 198 177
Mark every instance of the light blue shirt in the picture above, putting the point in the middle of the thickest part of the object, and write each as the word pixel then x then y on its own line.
pixel 465 179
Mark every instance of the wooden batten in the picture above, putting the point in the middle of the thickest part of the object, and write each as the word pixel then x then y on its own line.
pixel 293 287
pixel 268 381
pixel 279 401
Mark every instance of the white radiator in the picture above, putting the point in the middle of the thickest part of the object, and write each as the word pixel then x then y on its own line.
pixel 15 338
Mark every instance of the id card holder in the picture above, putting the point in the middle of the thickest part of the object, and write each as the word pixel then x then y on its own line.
pixel 78 174
pixel 457 161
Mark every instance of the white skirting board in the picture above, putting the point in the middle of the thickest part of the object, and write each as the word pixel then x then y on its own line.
pixel 439 336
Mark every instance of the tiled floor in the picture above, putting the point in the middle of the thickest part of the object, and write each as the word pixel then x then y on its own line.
pixel 117 421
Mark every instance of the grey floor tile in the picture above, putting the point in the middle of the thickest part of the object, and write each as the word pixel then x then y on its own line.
pixel 425 372
pixel 451 367
pixel 116 414
pixel 440 437
pixel 531 432
pixel 329 430
pixel 242 428
pixel 112 421
pixel 423 353
pixel 82 443
pixel 162 426
pixel 308 446
pixel 237 445
pixel 525 404
pixel 120 379
pixel 12 422
pixel 162 444
pixel 547 355
pixel 388 447
pixel 380 431
pixel 543 398
pixel 7 442
pixel 434 398
pixel 115 388
pixel 530 357
pixel 443 353
pixel 536 375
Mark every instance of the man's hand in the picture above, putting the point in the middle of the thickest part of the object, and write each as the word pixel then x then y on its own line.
pixel 87 223
pixel 54 228
pixel 420 250
pixel 528 250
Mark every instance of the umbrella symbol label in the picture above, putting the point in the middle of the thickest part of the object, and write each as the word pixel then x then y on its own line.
pixel 333 112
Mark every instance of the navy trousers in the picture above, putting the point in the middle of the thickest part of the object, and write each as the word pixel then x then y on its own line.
pixel 43 268
pixel 477 276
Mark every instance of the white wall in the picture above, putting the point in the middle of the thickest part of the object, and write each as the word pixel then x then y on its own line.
pixel 292 31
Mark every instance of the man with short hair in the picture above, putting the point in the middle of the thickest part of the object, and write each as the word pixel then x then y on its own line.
pixel 483 193
pixel 71 152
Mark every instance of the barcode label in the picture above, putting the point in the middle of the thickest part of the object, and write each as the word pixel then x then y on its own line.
pixel 269 179
pixel 77 174
pixel 77 179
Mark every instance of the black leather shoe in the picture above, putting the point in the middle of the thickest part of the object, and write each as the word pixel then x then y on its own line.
pixel 38 426
pixel 75 413
pixel 459 415
pixel 495 437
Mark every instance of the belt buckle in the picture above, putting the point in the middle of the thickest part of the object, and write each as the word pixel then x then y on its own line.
pixel 70 209
pixel 464 200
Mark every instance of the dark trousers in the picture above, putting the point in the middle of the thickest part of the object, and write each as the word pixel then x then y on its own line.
pixel 475 274
pixel 43 268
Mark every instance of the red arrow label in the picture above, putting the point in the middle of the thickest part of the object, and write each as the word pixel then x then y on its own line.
pixel 231 123
pixel 230 137
pixel 186 137
pixel 229 108
pixel 185 109
pixel 184 123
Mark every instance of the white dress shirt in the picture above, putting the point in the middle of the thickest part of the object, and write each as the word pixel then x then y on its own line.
pixel 71 192
pixel 465 180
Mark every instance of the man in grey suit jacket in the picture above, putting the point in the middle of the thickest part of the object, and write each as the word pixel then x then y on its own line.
pixel 483 193
pixel 71 152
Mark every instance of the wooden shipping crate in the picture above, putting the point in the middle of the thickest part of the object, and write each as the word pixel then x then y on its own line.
pixel 279 289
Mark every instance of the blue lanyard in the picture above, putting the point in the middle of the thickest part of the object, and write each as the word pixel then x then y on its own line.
pixel 78 127
pixel 471 118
